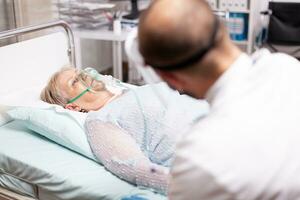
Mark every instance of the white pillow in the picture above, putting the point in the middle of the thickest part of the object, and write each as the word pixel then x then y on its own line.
pixel 60 125
pixel 26 97
pixel 4 117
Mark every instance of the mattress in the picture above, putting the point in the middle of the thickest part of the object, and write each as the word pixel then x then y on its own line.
pixel 37 167
pixel 11 183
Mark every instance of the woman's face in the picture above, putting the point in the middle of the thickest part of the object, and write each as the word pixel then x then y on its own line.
pixel 71 87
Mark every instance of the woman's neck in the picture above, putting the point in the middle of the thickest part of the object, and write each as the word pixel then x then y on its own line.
pixel 107 97
pixel 115 96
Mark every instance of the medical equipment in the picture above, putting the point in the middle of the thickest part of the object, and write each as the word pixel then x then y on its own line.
pixel 41 169
pixel 134 12
pixel 280 27
pixel 237 25
pixel 80 95
pixel 148 74
pixel 234 5
pixel 261 36
pixel 95 82
pixel 108 80
pixel 213 4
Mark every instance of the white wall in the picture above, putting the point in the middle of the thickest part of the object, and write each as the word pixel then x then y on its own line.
pixel 96 54
pixel 30 12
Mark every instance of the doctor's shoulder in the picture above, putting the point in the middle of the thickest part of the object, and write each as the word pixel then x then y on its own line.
pixel 220 158
pixel 266 58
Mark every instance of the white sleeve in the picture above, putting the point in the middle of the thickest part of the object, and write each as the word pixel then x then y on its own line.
pixel 194 174
pixel 189 182
pixel 121 155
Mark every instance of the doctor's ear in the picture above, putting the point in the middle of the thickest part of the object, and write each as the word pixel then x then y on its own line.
pixel 73 106
pixel 173 79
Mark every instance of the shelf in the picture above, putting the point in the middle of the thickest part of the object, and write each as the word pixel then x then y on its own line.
pixel 240 11
pixel 231 11
pixel 243 42
pixel 100 34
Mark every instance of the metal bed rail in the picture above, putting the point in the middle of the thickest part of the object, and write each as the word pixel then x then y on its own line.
pixel 39 27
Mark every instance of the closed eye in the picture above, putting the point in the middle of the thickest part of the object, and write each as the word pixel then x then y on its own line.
pixel 75 80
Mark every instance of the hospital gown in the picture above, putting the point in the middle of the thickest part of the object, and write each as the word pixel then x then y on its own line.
pixel 134 136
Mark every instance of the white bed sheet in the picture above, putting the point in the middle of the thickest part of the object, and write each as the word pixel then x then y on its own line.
pixel 57 172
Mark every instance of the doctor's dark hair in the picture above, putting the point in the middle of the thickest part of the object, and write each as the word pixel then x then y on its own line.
pixel 51 93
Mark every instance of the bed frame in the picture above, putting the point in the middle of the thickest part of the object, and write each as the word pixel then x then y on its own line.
pixel 4 193
pixel 35 28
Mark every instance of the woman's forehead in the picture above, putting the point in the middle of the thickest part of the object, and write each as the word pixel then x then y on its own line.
pixel 65 76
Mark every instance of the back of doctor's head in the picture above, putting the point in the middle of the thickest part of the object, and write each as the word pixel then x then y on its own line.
pixel 172 31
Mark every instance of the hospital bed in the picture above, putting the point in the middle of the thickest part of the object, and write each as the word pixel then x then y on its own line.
pixel 31 166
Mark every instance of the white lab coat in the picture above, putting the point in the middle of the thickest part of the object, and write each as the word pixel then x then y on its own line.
pixel 248 147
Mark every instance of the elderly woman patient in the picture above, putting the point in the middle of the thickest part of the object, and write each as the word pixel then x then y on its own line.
pixel 130 132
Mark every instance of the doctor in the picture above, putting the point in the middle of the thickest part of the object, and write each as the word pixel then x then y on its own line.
pixel 248 147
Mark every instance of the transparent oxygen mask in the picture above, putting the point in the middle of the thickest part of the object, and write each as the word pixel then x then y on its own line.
pixel 91 80
pixel 112 84
pixel 136 59
pixel 96 82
